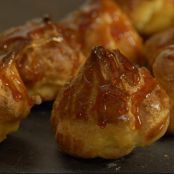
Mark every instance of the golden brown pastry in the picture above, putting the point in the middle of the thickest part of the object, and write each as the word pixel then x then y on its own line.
pixel 101 22
pixel 162 63
pixel 36 60
pixel 48 55
pixel 15 103
pixel 110 108
pixel 158 42
pixel 149 16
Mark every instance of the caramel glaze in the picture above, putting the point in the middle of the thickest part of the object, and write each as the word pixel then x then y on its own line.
pixel 11 44
pixel 15 40
pixel 56 41
pixel 100 90
pixel 11 79
pixel 111 26
pixel 96 8
pixel 111 101
pixel 8 80
pixel 138 97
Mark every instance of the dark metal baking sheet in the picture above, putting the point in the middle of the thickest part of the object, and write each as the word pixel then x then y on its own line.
pixel 33 147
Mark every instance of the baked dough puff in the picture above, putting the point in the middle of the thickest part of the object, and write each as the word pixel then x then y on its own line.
pixel 36 60
pixel 149 16
pixel 48 56
pixel 14 101
pixel 101 22
pixel 110 108
pixel 162 63
pixel 157 43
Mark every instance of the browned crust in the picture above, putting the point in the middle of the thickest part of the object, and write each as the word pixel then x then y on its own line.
pixel 101 22
pixel 110 92
pixel 113 76
pixel 157 43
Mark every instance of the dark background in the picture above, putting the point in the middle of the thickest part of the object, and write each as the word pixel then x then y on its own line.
pixel 17 12
pixel 33 147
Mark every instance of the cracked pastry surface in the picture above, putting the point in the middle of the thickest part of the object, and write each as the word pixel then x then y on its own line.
pixel 110 108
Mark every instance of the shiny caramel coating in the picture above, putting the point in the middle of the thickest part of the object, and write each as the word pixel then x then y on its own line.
pixel 15 103
pixel 110 108
pixel 48 55
pixel 102 22
pixel 36 60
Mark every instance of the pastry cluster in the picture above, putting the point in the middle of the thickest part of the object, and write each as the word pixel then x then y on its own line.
pixel 94 63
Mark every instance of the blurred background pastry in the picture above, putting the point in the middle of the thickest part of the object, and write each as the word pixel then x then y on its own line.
pixel 102 22
pixel 149 16
pixel 48 55
pixel 37 59
pixel 15 103
pixel 159 51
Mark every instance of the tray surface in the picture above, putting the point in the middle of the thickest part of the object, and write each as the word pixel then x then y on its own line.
pixel 34 149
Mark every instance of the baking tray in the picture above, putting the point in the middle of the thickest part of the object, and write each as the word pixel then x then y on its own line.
pixel 33 149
